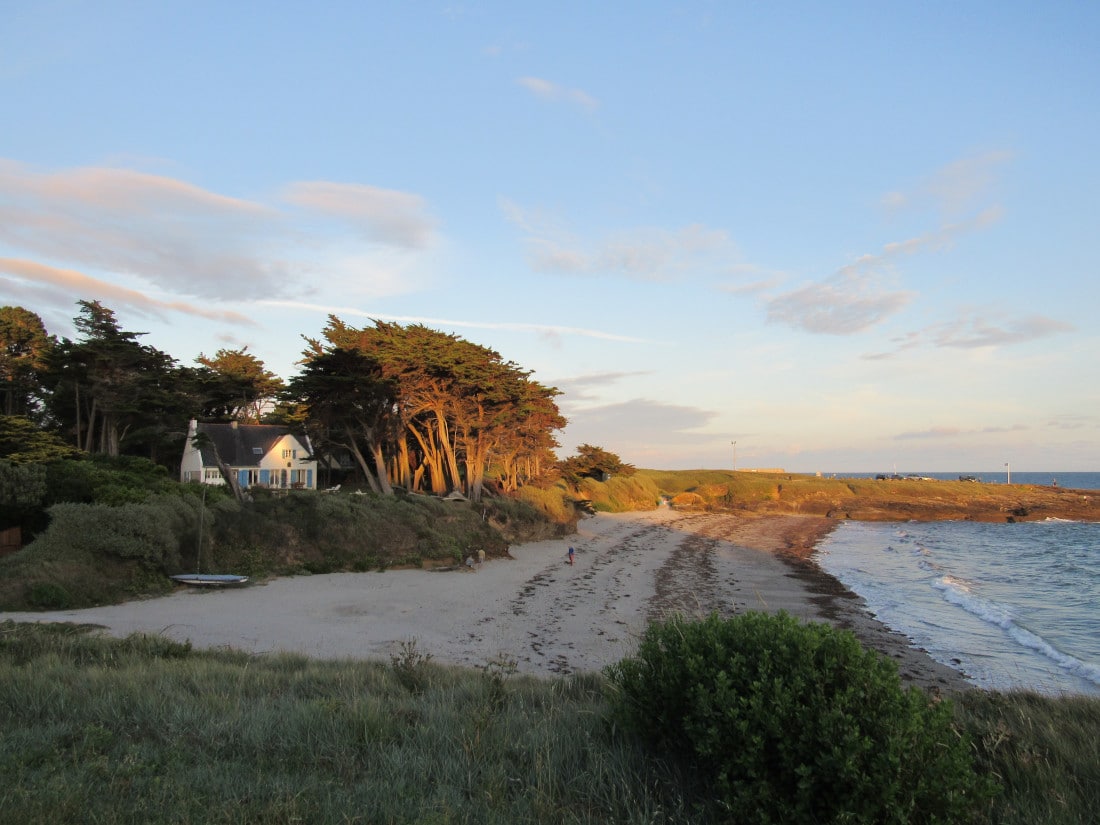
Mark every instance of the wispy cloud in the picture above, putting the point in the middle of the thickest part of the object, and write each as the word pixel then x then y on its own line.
pixel 749 279
pixel 382 215
pixel 955 187
pixel 166 231
pixel 643 254
pixel 947 432
pixel 71 282
pixel 579 389
pixel 189 241
pixel 854 298
pixel 641 430
pixel 548 90
pixel 844 304
pixel 511 326
pixel 974 332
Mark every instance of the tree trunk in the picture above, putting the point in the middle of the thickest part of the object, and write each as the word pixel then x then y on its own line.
pixel 90 437
pixel 230 477
pixel 432 460
pixel 363 465
pixel 448 449
pixel 380 465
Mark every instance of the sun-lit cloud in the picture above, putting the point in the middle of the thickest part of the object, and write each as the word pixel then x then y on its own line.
pixel 168 232
pixel 844 304
pixel 381 215
pixel 548 90
pixel 182 239
pixel 36 275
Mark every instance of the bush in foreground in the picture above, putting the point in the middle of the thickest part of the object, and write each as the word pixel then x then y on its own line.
pixel 796 722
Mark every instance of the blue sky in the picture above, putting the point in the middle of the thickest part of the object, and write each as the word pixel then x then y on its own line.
pixel 847 236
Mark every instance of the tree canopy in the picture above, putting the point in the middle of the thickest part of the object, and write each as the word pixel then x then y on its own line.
pixel 409 406
pixel 593 462
pixel 24 346
pixel 458 410
pixel 237 386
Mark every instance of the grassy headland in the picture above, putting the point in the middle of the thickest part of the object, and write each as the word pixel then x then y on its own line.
pixel 867 499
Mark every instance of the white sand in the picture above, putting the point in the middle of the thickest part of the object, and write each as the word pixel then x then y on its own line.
pixel 551 618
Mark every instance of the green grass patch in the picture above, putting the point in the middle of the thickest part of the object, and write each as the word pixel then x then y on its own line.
pixel 136 733
pixel 147 730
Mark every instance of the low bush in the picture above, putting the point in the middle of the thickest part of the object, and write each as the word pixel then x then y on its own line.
pixel 620 494
pixel 532 500
pixel 149 533
pixel 796 722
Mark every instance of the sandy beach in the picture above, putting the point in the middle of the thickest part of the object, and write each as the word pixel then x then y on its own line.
pixel 534 608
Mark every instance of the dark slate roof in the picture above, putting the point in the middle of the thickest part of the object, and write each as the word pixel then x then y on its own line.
pixel 235 443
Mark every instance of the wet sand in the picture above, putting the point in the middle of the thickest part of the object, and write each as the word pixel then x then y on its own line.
pixel 534 608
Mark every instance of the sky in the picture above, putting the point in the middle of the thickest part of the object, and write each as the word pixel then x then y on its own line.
pixel 823 237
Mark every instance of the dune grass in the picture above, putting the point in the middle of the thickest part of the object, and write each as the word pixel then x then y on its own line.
pixel 146 730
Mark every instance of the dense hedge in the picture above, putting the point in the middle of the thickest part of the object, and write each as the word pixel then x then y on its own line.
pixel 796 722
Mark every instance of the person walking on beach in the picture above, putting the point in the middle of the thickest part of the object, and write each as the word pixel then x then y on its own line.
pixel 571 551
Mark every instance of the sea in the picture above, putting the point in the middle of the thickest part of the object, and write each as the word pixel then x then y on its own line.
pixel 1012 606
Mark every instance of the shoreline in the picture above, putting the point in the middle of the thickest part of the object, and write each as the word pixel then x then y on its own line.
pixel 533 608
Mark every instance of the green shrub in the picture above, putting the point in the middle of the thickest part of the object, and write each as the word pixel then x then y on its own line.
pixel 796 722
pixel 149 533
pixel 550 502
pixel 48 596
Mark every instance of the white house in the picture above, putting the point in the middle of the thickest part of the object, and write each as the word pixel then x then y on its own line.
pixel 261 455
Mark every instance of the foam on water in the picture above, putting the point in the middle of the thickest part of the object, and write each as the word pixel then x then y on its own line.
pixel 1013 606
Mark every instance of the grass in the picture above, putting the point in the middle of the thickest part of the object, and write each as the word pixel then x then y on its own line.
pixel 867 499
pixel 145 730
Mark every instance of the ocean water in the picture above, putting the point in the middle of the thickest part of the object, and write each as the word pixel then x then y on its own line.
pixel 1013 606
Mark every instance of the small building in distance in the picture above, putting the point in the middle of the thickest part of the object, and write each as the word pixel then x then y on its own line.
pixel 261 455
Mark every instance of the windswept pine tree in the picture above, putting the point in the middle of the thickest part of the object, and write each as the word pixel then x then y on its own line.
pixel 458 410
pixel 111 394
pixel 236 385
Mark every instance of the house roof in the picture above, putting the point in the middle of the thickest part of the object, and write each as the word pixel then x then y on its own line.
pixel 240 445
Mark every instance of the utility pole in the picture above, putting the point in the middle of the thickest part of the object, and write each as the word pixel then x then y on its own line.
pixel 734 443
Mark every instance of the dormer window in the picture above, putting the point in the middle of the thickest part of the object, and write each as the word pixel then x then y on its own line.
pixel 257 451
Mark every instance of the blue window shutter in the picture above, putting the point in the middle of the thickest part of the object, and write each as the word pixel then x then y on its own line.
pixel 309 479
pixel 242 477
pixel 265 477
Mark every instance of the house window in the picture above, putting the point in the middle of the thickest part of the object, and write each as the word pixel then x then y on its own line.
pixel 212 475
pixel 290 453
